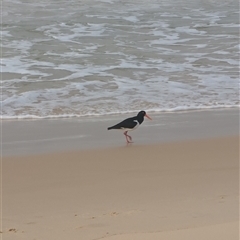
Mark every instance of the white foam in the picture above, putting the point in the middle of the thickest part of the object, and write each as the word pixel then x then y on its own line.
pixel 188 30
pixel 113 57
pixel 171 40
pixel 133 19
pixel 222 52
pixel 22 46
pixel 5 34
pixel 18 65
pixel 153 110
pixel 107 1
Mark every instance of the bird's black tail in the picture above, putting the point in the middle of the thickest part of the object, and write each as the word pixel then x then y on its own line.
pixel 109 128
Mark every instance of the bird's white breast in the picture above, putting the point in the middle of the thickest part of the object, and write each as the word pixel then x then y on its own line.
pixel 136 125
pixel 130 129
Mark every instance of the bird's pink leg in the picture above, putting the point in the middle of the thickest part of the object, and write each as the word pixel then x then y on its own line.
pixel 125 133
pixel 128 137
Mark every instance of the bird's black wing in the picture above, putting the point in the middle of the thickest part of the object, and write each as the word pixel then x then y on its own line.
pixel 127 123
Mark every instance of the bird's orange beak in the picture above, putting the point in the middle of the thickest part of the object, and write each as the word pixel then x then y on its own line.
pixel 147 117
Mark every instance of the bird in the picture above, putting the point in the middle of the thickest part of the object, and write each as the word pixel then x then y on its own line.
pixel 130 124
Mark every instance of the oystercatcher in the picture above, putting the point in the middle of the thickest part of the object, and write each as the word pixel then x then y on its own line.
pixel 130 124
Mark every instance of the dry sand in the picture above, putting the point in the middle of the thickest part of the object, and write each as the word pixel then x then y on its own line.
pixel 181 190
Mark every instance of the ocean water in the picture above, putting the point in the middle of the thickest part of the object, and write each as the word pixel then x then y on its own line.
pixel 80 58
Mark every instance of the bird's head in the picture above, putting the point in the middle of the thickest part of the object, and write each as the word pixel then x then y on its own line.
pixel 143 114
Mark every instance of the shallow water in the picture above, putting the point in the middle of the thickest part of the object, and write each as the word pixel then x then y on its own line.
pixel 78 58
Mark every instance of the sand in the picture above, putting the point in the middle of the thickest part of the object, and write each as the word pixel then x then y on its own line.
pixel 31 137
pixel 175 190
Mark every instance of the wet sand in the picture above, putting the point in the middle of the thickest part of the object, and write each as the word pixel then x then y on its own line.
pixel 183 188
pixel 54 135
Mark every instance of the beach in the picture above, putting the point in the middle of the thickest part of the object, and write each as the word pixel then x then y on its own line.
pixel 178 180
pixel 71 69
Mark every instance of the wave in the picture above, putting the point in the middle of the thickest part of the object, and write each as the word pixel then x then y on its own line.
pixel 154 110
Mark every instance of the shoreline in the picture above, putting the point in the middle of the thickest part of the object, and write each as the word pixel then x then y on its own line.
pixel 155 112
pixel 29 137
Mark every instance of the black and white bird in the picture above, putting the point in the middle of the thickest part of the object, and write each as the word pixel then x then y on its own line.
pixel 130 124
